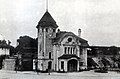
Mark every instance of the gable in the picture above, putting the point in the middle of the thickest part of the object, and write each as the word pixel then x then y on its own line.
pixel 69 39
pixel 65 37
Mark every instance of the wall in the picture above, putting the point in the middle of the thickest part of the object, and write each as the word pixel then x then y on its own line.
pixel 83 57
pixel 9 64
pixel 65 65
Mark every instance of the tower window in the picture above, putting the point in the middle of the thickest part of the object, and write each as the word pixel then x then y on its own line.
pixel 43 54
pixel 46 29
pixel 49 55
pixel 53 30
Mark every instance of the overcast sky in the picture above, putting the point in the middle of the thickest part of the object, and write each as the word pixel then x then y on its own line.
pixel 98 19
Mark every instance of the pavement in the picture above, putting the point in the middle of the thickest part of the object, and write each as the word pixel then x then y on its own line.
pixel 7 74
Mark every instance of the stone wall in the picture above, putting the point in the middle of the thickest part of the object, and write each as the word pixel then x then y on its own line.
pixel 9 64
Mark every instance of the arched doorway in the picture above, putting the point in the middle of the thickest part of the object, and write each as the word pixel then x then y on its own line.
pixel 50 65
pixel 72 65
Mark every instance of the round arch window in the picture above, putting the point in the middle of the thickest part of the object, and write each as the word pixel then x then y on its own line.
pixel 69 39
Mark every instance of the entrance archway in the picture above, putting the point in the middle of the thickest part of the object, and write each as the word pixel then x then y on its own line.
pixel 72 65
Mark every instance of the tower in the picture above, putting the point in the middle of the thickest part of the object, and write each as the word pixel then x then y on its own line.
pixel 46 32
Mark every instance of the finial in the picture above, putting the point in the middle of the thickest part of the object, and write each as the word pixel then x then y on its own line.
pixel 46 5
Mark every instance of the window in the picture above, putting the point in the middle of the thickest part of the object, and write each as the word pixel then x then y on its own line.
pixel 46 29
pixel 49 55
pixel 43 54
pixel 53 30
pixel 62 64
pixel 71 50
pixel 69 39
pixel 65 50
pixel 68 49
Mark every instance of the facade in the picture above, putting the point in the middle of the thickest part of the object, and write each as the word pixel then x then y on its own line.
pixel 59 50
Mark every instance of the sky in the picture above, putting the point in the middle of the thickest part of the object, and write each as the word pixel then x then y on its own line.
pixel 99 20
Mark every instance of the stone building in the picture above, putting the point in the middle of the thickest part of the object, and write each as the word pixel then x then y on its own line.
pixel 59 50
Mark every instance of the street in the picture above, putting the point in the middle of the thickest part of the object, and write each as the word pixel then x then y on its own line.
pixel 75 75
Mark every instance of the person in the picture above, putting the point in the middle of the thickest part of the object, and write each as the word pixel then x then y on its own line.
pixel 48 71
pixel 16 64
pixel 36 66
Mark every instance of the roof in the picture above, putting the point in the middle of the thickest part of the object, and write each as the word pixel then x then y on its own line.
pixel 60 35
pixel 68 56
pixel 47 20
pixel 5 46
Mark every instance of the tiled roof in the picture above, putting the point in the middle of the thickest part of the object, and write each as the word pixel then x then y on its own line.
pixel 68 56
pixel 47 20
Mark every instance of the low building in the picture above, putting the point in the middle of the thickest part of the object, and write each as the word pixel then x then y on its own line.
pixel 4 51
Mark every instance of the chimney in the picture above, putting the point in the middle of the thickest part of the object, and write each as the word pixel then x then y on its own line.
pixel 79 32
pixel 58 31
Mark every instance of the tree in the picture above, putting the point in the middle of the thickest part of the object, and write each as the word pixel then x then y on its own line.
pixel 26 44
pixel 114 50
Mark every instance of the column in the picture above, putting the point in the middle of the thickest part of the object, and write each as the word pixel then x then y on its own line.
pixel 44 41
pixel 73 50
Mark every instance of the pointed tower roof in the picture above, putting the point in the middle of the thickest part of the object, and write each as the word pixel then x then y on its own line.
pixel 47 20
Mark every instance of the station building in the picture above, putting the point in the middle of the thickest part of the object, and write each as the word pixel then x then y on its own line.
pixel 59 50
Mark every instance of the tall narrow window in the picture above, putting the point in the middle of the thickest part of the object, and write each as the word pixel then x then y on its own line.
pixel 71 50
pixel 68 49
pixel 49 55
pixel 43 54
pixel 53 30
pixel 65 50
pixel 62 64
pixel 46 29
